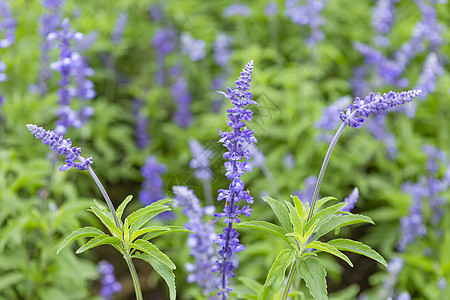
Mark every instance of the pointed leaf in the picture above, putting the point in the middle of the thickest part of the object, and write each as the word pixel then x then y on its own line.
pixel 340 221
pixel 101 240
pixel 172 228
pixel 78 234
pixel 158 204
pixel 299 207
pixel 294 218
pixel 122 206
pixel 147 216
pixel 265 226
pixel 276 275
pixel 150 249
pixel 313 273
pixel 280 211
pixel 329 249
pixel 147 230
pixel 107 221
pixel 359 248
pixel 163 270
pixel 325 214
pixel 126 232
pixel 251 284
pixel 322 201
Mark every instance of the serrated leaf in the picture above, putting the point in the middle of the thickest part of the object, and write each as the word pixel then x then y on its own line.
pixel 78 234
pixel 359 248
pixel 173 228
pixel 150 249
pixel 122 206
pixel 280 211
pixel 147 230
pixel 135 215
pixel 147 216
pixel 164 271
pixel 294 218
pixel 107 221
pixel 299 207
pixel 276 275
pixel 313 273
pixel 322 201
pixel 101 240
pixel 330 249
pixel 325 214
pixel 340 221
pixel 265 226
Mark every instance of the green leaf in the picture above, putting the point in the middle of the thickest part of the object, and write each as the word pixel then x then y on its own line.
pixel 325 214
pixel 265 226
pixel 294 218
pixel 359 248
pixel 172 228
pixel 101 240
pixel 330 249
pixel 126 232
pixel 78 234
pixel 107 221
pixel 313 273
pixel 322 201
pixel 299 207
pixel 9 279
pixel 147 230
pixel 340 221
pixel 253 285
pixel 276 275
pixel 280 211
pixel 150 249
pixel 163 270
pixel 122 206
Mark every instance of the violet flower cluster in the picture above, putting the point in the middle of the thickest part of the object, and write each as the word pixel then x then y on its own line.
pixel 182 98
pixel 7 30
pixel 394 268
pixel 152 187
pixel 48 23
pixel 307 13
pixel 110 285
pixel 164 41
pixel 200 160
pixel 195 49
pixel 354 115
pixel 200 241
pixel 234 141
pixel 71 64
pixel 382 20
pixel 61 146
pixel 140 130
pixel 119 28
pixel 351 200
pixel 237 10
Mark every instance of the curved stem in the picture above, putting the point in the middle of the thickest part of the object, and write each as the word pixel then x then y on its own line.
pixel 134 276
pixel 324 167
pixel 290 278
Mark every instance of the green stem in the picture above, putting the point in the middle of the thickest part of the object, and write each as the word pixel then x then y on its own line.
pixel 290 279
pixel 134 276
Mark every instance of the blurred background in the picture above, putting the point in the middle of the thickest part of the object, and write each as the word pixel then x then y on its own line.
pixel 133 83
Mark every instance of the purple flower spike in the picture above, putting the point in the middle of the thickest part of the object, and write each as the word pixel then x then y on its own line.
pixel 152 187
pixel 109 284
pixel 200 160
pixel 234 141
pixel 351 200
pixel 62 147
pixel 200 242
pixel 195 49
pixel 7 25
pixel 354 115
pixel 119 27
pixel 237 10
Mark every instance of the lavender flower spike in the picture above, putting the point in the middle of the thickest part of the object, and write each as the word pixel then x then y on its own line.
pixel 61 146
pixel 109 284
pixel 351 200
pixel 355 113
pixel 234 141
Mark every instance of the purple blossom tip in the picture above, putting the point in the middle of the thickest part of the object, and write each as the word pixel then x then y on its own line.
pixel 61 146
pixel 354 115
pixel 351 200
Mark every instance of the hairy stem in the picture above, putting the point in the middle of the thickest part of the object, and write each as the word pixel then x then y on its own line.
pixel 134 276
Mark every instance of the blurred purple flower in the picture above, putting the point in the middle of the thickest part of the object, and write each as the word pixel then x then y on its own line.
pixel 200 241
pixel 119 28
pixel 200 160
pixel 109 284
pixel 195 49
pixel 329 119
pixel 140 126
pixel 155 13
pixel 237 10
pixel 432 69
pixel 52 4
pixel 271 8
pixel 221 47
pixel 7 25
pixel 258 158
pixel 377 127
pixel 152 187
pixel 164 42
pixel 351 200
pixel 181 96
pixel 307 193
pixel 289 161
pixel 382 20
